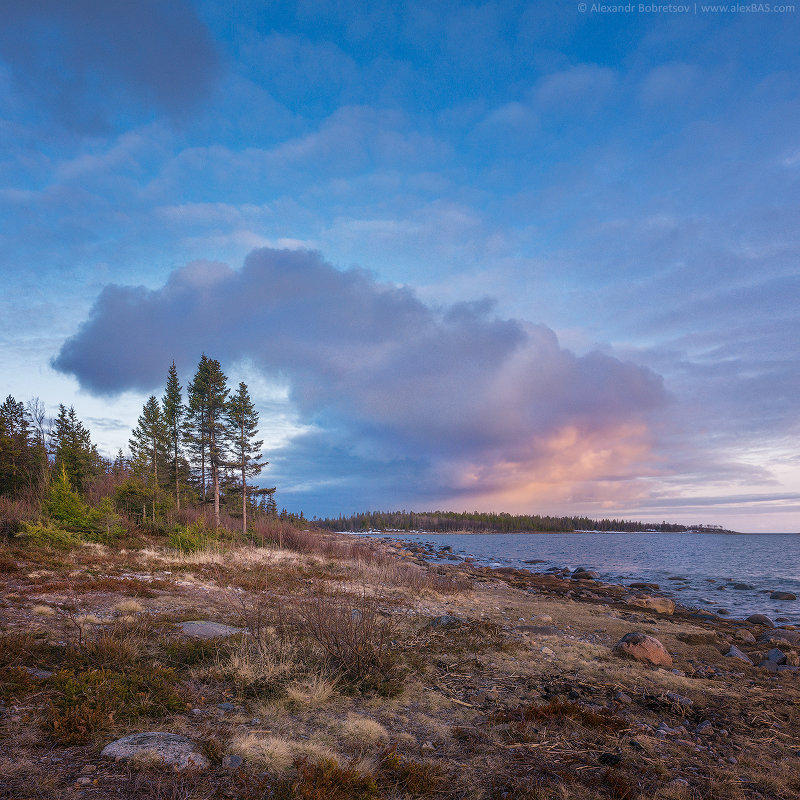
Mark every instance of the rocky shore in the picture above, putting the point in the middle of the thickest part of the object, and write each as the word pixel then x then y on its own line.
pixel 212 675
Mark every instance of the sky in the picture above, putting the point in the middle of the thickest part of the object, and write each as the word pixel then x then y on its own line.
pixel 515 256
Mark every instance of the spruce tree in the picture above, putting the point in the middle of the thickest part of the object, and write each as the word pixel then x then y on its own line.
pixel 194 428
pixel 243 428
pixel 215 425
pixel 148 444
pixel 72 447
pixel 174 412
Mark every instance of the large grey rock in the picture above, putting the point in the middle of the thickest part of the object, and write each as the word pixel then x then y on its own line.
pixel 760 619
pixel 641 647
pixel 171 749
pixel 661 605
pixel 776 655
pixel 782 596
pixel 204 629
pixel 735 652
pixel 778 636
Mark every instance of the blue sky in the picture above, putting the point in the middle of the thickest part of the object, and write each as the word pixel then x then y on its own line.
pixel 508 256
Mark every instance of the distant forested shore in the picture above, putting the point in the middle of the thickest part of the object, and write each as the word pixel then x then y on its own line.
pixel 477 522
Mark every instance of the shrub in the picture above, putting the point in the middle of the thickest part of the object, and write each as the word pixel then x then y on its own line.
pixel 356 640
pixel 48 536
pixel 91 700
pixel 191 538
pixel 15 512
pixel 326 780
pixel 65 505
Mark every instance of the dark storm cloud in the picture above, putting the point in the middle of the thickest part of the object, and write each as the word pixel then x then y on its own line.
pixel 83 61
pixel 454 381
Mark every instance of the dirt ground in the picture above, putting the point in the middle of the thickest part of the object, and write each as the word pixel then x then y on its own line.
pixel 367 673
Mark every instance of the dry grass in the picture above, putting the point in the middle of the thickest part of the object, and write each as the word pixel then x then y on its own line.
pixel 362 732
pixel 483 713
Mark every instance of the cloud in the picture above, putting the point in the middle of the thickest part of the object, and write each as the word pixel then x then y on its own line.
pixel 82 62
pixel 456 387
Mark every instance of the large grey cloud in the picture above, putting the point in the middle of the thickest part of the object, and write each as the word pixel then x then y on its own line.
pixel 84 61
pixel 452 384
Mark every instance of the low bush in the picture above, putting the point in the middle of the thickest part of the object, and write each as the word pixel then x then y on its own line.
pixel 14 512
pixel 326 780
pixel 192 538
pixel 89 701
pixel 355 640
pixel 34 533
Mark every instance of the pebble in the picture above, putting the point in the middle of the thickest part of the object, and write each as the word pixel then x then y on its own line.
pixel 705 728
pixel 232 762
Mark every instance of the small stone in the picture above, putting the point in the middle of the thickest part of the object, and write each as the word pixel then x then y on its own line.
pixel 744 635
pixel 742 586
pixel 547 651
pixel 232 762
pixel 225 707
pixel 705 728
pixel 428 747
pixel 623 698
pixel 445 621
pixel 255 722
pixel 204 629
pixel 84 781
pixel 679 699
pixel 197 711
pixel 88 769
pixel 39 674
pixel 733 760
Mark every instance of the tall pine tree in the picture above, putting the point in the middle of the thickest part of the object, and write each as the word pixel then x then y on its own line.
pixel 243 428
pixel 215 424
pixel 148 445
pixel 194 428
pixel 173 412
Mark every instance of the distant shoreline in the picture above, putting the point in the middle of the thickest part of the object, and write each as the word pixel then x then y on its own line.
pixel 544 533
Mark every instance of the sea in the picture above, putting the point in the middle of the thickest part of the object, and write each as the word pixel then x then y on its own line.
pixel 728 574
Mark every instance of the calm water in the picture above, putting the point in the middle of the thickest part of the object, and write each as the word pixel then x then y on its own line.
pixel 766 561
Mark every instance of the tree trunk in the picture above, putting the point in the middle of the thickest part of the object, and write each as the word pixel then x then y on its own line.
pixel 215 480
pixel 244 502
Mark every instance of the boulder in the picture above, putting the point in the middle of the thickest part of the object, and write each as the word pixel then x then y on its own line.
pixel 170 749
pixel 445 621
pixel 661 605
pixel 735 652
pixel 776 655
pixel 760 619
pixel 782 596
pixel 778 636
pixel 204 629
pixel 583 574
pixel 641 647
pixel 742 586
pixel 744 635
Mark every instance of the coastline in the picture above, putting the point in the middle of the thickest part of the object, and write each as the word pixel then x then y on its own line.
pixel 491 680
